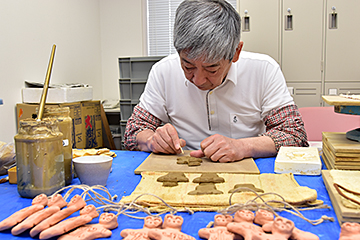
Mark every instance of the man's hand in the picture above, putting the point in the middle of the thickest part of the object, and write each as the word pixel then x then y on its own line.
pixel 223 149
pixel 220 149
pixel 164 140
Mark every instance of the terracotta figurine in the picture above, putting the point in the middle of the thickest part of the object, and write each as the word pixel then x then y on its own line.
pixel 171 229
pixel 38 203
pixel 219 231
pixel 244 225
pixel 107 221
pixel 265 219
pixel 150 222
pixel 55 203
pixel 75 204
pixel 86 215
pixel 350 231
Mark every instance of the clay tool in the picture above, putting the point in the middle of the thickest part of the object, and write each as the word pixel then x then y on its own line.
pixel 46 85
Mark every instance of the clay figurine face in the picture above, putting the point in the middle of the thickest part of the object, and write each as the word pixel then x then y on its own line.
pixel 349 228
pixel 263 216
pixel 40 199
pixel 222 220
pixel 108 220
pixel 57 200
pixel 244 216
pixel 90 210
pixel 283 226
pixel 152 222
pixel 172 221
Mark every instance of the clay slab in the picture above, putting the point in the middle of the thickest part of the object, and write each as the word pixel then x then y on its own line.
pixel 298 160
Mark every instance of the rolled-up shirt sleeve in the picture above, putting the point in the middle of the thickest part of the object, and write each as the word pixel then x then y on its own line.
pixel 140 120
pixel 286 127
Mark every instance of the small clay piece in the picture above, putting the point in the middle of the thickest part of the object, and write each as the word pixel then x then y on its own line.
pixel 245 185
pixel 171 179
pixel 107 221
pixel 38 203
pixel 190 161
pixel 209 178
pixel 350 231
pixel 75 204
pixel 266 219
pixel 57 200
pixel 205 188
pixel 171 229
pixel 282 229
pixel 87 232
pixel 34 219
pixel 219 231
pixel 65 226
pixel 89 210
pixel 150 222
pixel 244 226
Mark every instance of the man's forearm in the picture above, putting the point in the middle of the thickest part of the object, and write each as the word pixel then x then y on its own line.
pixel 142 140
pixel 256 147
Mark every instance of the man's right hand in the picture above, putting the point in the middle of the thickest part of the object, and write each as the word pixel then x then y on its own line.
pixel 164 140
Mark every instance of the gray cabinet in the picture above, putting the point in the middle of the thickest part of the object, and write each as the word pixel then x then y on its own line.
pixel 314 41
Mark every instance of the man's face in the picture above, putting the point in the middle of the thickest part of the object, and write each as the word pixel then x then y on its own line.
pixel 204 76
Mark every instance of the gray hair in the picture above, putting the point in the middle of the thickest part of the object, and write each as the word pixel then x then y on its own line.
pixel 208 30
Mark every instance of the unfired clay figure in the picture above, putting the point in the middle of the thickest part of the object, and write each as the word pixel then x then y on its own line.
pixel 38 203
pixel 150 222
pixel 55 203
pixel 244 225
pixel 171 229
pixel 265 219
pixel 86 215
pixel 75 204
pixel 107 221
pixel 219 231
pixel 350 231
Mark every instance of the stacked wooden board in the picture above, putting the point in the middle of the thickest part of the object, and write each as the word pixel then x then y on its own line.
pixel 343 214
pixel 340 152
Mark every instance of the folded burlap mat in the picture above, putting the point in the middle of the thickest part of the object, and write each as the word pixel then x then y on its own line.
pixel 178 197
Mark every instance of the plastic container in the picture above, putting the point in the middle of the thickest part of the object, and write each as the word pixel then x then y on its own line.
pixel 62 115
pixel 39 158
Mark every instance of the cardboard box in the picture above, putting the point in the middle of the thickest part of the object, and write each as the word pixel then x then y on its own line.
pixel 57 95
pixel 78 113
pixel 12 175
pixel 91 114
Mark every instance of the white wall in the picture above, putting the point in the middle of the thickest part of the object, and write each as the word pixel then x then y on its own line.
pixel 89 35
pixel 121 36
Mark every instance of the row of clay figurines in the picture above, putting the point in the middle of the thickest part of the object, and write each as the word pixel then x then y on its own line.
pixel 49 222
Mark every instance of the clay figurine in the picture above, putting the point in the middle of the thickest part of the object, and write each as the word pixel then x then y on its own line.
pixel 107 221
pixel 219 231
pixel 243 225
pixel 150 222
pixel 350 231
pixel 75 204
pixel 282 229
pixel 55 203
pixel 86 215
pixel 265 219
pixel 38 203
pixel 171 229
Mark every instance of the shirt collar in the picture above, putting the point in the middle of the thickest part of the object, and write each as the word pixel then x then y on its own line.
pixel 231 76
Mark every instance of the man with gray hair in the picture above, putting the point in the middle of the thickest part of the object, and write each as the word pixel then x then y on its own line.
pixel 211 97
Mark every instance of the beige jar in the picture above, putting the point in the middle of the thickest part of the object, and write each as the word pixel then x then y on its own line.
pixel 62 115
pixel 39 158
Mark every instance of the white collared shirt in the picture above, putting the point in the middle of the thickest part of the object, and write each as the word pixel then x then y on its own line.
pixel 254 85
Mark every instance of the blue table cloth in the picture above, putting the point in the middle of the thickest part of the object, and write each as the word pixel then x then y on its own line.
pixel 122 181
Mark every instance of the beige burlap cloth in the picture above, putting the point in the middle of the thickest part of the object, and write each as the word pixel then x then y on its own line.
pixel 178 197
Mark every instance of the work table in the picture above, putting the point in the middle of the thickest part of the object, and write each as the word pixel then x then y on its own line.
pixel 122 181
